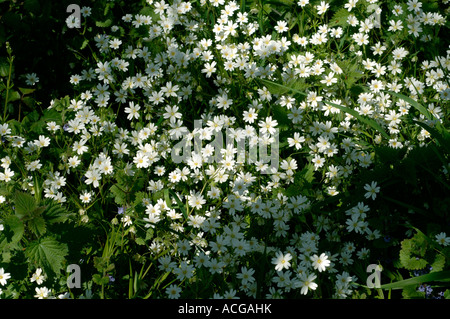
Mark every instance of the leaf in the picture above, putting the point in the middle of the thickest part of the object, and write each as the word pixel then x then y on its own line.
pixel 280 114
pixel 56 214
pixel 24 204
pixel 409 252
pixel 339 18
pixel 180 204
pixel 26 91
pixel 47 253
pixel 413 103
pixel 37 225
pixel 14 228
pixel 99 280
pixel 119 194
pixel 438 264
pixel 440 276
pixel 103 24
pixel 13 96
pixel 85 43
pixel 4 67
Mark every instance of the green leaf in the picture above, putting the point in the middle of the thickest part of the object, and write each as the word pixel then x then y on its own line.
pixel 410 252
pixel 441 276
pixel 4 67
pixel 24 203
pixel 56 213
pixel 103 24
pixel 13 96
pixel 85 43
pixel 14 228
pixel 37 225
pixel 413 103
pixel 99 280
pixel 26 91
pixel 47 253
pixel 339 18
pixel 280 114
pixel 119 194
pixel 180 204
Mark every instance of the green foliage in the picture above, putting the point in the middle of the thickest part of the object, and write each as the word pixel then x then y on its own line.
pixel 48 253
pixel 132 236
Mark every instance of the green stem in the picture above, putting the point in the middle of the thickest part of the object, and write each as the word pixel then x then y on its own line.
pixel 8 87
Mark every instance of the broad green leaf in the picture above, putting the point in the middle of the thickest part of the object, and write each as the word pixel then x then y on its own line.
pixel 26 91
pixel 14 228
pixel 47 253
pixel 13 96
pixel 339 18
pixel 56 214
pixel 37 225
pixel 119 194
pixel 24 204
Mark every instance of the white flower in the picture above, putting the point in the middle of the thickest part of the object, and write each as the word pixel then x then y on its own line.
pixel 173 291
pixel 372 190
pixel 132 111
pixel 307 282
pixel 282 261
pixel 443 239
pixel 4 276
pixel 320 262
pixel 38 277
pixel 42 293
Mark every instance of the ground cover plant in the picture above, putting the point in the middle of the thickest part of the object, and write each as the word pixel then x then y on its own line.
pixel 225 149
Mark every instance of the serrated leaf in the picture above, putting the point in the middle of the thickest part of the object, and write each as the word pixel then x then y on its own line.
pixel 438 263
pixel 14 228
pixel 37 225
pixel 339 18
pixel 119 194
pixel 47 253
pixel 103 24
pixel 24 204
pixel 84 44
pixel 56 214
pixel 99 280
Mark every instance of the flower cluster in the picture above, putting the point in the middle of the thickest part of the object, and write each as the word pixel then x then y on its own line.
pixel 227 219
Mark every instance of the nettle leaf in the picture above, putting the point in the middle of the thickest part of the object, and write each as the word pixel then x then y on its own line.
pixel 119 194
pixel 56 213
pixel 104 24
pixel 412 252
pixel 47 253
pixel 340 18
pixel 14 229
pixel 37 225
pixel 24 204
